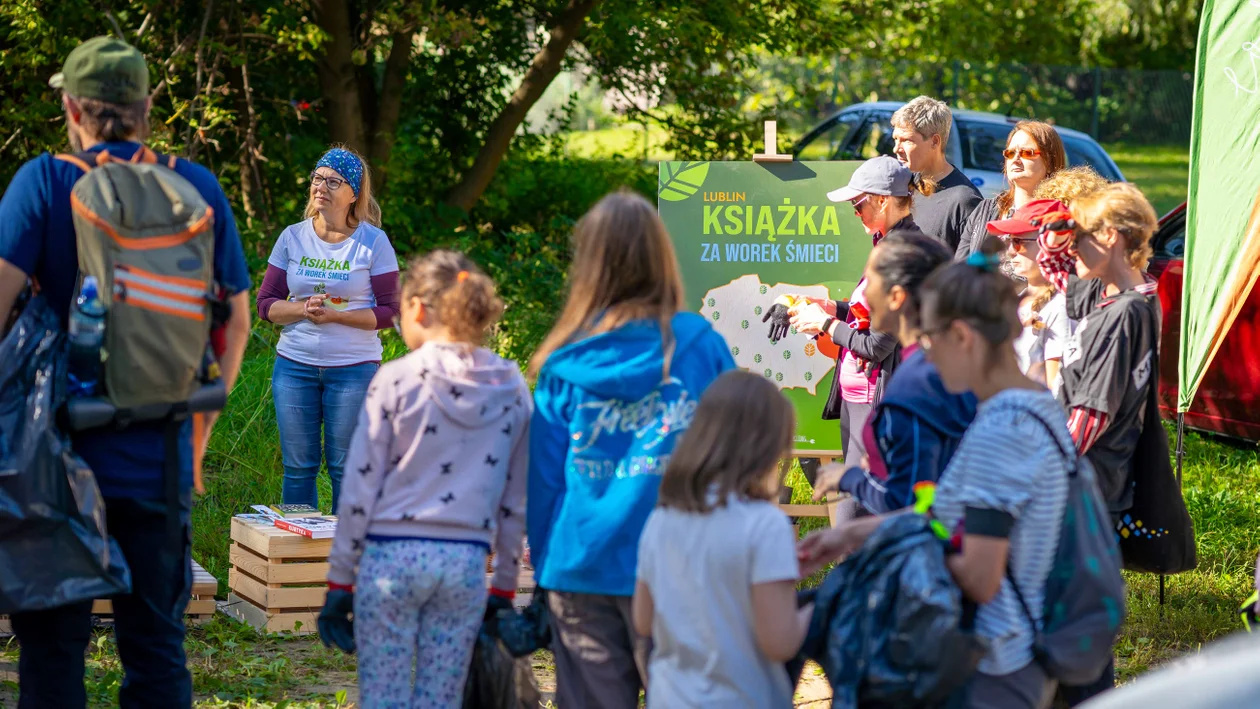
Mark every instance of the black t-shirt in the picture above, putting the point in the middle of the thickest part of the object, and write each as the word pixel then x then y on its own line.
pixel 943 215
pixel 1108 366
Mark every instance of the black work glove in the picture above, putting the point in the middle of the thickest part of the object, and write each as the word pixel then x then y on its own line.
pixel 495 605
pixel 780 322
pixel 336 626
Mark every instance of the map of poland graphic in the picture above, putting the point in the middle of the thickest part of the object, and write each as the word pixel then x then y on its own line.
pixel 736 309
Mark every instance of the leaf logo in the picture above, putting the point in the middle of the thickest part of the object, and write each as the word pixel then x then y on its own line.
pixel 680 180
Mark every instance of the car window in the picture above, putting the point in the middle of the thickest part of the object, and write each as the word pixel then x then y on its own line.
pixel 1170 241
pixel 827 144
pixel 873 139
pixel 1084 152
pixel 982 145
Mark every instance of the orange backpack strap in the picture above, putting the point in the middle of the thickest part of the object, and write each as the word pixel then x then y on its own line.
pixel 74 160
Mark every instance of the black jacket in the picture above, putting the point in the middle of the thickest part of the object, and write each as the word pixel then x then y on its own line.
pixel 974 230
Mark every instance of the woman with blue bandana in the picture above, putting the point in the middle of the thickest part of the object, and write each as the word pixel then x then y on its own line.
pixel 332 282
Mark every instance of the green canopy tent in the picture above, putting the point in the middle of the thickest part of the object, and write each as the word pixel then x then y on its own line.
pixel 1222 259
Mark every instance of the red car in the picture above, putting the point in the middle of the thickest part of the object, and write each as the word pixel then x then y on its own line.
pixel 1228 400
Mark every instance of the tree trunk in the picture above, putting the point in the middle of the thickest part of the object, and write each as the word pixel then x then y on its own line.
pixel 337 76
pixel 542 71
pixel 390 107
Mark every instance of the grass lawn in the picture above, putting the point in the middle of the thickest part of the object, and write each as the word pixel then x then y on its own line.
pixel 1160 171
pixel 235 667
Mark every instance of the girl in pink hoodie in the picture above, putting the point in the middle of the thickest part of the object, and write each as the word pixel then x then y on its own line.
pixel 435 480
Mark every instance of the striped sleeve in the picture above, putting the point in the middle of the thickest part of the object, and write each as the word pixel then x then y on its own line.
pixel 1087 426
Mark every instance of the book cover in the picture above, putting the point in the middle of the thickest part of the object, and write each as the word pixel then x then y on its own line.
pixel 265 511
pixel 295 511
pixel 310 527
pixel 256 518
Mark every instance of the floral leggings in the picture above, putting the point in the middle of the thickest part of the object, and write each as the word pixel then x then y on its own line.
pixel 417 607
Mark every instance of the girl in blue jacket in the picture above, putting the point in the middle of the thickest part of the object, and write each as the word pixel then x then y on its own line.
pixel 618 379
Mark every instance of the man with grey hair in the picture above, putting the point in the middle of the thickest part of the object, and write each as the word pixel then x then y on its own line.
pixel 921 132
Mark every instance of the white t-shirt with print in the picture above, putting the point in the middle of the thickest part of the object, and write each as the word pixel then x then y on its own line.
pixel 1046 340
pixel 701 569
pixel 343 271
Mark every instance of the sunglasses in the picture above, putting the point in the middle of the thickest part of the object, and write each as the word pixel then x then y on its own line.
pixel 1019 244
pixel 857 204
pixel 1023 153
pixel 332 183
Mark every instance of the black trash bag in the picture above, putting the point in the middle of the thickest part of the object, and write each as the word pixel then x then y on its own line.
pixel 526 631
pixel 54 549
pixel 890 627
pixel 496 680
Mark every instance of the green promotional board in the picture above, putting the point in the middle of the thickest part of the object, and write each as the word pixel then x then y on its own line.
pixel 1223 219
pixel 748 232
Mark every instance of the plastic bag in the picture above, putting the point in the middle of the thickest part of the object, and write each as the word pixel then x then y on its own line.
pixel 54 549
pixel 496 680
pixel 526 631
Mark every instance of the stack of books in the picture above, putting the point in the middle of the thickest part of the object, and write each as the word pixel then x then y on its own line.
pixel 296 519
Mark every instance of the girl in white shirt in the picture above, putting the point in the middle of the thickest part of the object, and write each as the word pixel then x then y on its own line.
pixel 717 570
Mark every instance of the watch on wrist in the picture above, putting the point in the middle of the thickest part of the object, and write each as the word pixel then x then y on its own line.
pixel 826 327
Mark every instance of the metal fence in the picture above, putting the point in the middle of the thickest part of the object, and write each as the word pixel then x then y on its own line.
pixel 1113 105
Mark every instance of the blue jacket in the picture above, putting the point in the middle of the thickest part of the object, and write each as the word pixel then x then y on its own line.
pixel 603 429
pixel 916 428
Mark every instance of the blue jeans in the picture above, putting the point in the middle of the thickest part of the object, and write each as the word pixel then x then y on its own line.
pixel 309 399
pixel 148 621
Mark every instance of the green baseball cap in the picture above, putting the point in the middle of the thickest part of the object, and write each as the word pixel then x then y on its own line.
pixel 106 69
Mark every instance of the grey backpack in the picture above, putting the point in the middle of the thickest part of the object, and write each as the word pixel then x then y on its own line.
pixel 1084 593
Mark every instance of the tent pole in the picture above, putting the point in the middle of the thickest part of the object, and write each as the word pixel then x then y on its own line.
pixel 1181 443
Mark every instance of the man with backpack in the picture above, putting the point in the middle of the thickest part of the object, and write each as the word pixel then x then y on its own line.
pixel 56 226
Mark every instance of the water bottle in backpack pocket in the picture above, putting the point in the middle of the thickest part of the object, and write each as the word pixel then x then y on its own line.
pixel 87 338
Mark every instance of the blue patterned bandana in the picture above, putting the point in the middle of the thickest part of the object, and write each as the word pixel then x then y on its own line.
pixel 347 164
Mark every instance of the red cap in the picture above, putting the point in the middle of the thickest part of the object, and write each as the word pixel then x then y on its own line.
pixel 1022 220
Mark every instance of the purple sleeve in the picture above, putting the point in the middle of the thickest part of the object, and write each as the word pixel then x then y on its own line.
pixel 385 288
pixel 275 286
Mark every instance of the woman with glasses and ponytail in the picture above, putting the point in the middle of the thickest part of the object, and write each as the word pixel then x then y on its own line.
pixel 332 282
pixel 1034 151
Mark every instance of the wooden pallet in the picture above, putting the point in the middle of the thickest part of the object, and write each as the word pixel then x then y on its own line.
pixel 201 606
pixel 278 579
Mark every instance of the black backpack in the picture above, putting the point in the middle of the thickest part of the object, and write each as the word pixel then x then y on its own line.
pixel 1084 593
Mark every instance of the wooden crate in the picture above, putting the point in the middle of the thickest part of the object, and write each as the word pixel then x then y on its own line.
pixel 278 579
pixel 201 606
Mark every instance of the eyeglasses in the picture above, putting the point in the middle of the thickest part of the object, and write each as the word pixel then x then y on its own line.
pixel 859 203
pixel 925 337
pixel 332 183
pixel 1024 153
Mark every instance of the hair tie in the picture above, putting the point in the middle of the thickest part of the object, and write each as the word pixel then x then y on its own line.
pixel 984 262
pixel 461 276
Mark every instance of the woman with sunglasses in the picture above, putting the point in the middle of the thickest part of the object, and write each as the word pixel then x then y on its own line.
pixel 332 282
pixel 1034 151
pixel 1043 311
pixel 881 192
